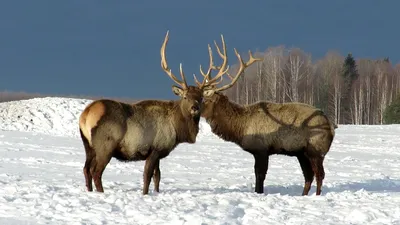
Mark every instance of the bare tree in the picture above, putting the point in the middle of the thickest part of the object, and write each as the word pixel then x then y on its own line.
pixel 297 69
pixel 272 65
pixel 366 70
pixel 329 83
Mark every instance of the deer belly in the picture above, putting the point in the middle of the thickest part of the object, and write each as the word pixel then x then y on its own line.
pixel 165 139
pixel 139 143
pixel 133 151
pixel 136 144
pixel 293 142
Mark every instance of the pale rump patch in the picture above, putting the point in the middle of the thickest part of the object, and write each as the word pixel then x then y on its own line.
pixel 89 118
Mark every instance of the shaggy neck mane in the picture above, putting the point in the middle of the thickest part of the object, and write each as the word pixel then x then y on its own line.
pixel 186 126
pixel 227 120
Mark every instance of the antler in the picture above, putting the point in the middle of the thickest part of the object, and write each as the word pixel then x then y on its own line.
pixel 208 81
pixel 165 67
pixel 239 72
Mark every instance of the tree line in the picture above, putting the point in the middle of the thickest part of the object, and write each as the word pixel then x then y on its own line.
pixel 349 90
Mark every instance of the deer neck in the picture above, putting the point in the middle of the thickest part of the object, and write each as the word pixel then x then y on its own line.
pixel 227 120
pixel 186 126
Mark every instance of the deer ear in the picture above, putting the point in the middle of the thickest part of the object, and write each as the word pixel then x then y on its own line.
pixel 208 93
pixel 177 90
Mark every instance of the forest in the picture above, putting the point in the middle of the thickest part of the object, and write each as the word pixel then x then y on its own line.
pixel 350 90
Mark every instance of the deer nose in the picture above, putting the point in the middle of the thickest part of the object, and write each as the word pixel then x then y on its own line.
pixel 195 108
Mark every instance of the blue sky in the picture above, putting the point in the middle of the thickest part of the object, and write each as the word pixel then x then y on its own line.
pixel 111 48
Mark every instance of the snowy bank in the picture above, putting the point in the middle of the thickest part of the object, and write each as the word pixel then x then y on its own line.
pixel 54 116
pixel 51 115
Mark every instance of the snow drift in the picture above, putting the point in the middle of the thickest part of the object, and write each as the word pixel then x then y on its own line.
pixel 53 116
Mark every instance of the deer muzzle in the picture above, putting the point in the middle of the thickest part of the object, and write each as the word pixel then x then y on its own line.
pixel 195 110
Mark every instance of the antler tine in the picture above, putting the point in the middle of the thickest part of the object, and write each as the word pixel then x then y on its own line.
pixel 207 84
pixel 208 81
pixel 206 76
pixel 164 65
pixel 241 69
pixel 224 67
pixel 196 80
pixel 182 75
pixel 218 82
pixel 210 67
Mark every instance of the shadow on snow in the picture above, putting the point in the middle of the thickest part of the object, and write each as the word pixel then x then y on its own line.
pixel 373 185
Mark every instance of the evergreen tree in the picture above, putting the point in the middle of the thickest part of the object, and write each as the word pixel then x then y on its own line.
pixel 350 68
pixel 350 74
pixel 386 59
pixel 392 112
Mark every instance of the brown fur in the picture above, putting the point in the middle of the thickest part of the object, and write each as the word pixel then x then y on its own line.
pixel 266 128
pixel 148 130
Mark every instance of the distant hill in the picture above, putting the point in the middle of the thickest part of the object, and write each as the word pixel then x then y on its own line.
pixel 7 96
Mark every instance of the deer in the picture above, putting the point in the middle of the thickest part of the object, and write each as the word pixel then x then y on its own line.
pixel 266 128
pixel 148 130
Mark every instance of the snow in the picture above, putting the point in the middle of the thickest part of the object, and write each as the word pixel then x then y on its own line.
pixel 55 116
pixel 209 182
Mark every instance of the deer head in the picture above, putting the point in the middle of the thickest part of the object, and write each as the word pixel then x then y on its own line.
pixel 190 96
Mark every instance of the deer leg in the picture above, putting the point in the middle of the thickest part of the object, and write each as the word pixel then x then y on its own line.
pixel 157 176
pixel 98 165
pixel 86 172
pixel 260 170
pixel 308 173
pixel 90 154
pixel 318 168
pixel 149 166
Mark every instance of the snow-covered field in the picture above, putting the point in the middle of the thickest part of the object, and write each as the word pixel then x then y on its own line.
pixel 210 182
